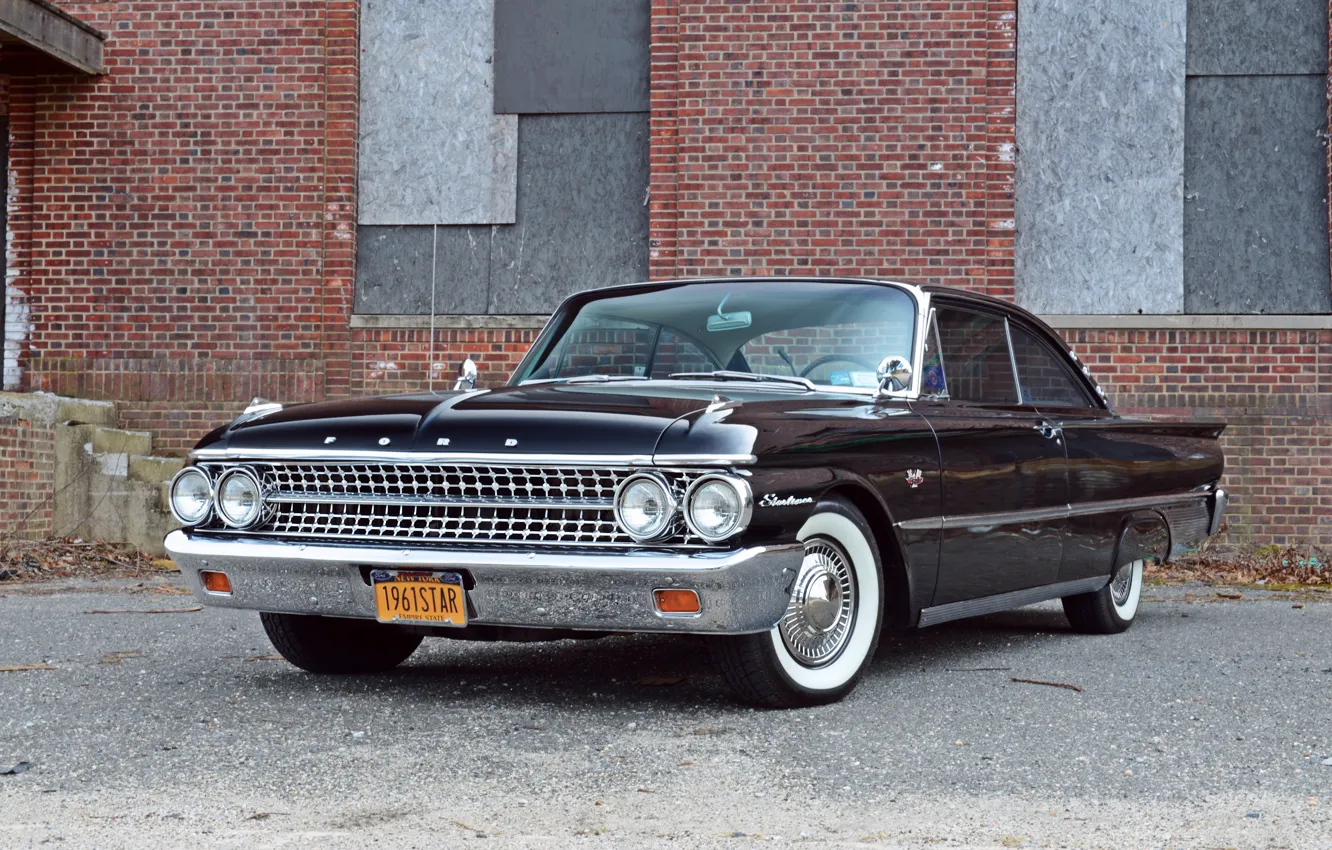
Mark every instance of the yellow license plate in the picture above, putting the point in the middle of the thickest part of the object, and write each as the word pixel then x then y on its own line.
pixel 409 596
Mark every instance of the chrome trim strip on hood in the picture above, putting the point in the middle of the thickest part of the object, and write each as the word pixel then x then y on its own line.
pixel 492 458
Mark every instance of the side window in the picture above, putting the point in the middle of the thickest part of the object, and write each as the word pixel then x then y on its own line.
pixel 975 354
pixel 935 382
pixel 677 354
pixel 1045 378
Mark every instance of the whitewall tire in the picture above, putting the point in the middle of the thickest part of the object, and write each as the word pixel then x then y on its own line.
pixel 1111 609
pixel 826 639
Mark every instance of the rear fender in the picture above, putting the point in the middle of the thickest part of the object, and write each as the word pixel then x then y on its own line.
pixel 1145 535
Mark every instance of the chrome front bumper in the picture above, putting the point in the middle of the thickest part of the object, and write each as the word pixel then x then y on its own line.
pixel 742 591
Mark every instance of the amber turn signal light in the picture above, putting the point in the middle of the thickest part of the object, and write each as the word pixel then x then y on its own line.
pixel 671 601
pixel 215 582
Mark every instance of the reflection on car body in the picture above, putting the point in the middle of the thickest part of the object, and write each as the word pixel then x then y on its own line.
pixel 785 465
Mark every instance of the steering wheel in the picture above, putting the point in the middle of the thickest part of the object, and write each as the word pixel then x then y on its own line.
pixel 835 358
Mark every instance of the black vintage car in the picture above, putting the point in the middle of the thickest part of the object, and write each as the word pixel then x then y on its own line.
pixel 786 465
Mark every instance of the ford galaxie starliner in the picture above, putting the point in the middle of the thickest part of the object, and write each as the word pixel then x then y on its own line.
pixel 785 465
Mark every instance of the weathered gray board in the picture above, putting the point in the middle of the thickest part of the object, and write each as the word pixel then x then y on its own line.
pixel 1255 213
pixel 1100 156
pixel 432 151
pixel 583 215
pixel 582 222
pixel 1257 37
pixel 572 55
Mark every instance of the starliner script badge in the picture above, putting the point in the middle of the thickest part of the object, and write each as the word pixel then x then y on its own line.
pixel 772 500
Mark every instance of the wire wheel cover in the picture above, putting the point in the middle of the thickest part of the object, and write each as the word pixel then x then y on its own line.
pixel 1122 584
pixel 822 611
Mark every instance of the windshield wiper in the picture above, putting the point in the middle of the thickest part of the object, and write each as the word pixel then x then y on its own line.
pixel 728 375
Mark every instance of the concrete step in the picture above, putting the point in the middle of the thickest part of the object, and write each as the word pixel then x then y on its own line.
pixel 77 411
pixel 153 470
pixel 118 441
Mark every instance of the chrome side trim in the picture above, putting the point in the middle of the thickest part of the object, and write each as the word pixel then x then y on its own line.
pixel 1221 500
pixel 1039 514
pixel 1007 601
pixel 495 458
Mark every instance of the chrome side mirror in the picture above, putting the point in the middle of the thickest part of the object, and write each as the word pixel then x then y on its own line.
pixel 894 374
pixel 466 375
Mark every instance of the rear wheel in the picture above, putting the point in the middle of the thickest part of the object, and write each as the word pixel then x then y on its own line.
pixel 825 640
pixel 338 645
pixel 1111 609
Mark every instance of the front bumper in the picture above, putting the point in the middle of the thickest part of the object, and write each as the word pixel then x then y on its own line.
pixel 742 591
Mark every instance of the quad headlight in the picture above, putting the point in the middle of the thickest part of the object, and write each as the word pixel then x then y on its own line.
pixel 191 496
pixel 645 507
pixel 718 507
pixel 240 501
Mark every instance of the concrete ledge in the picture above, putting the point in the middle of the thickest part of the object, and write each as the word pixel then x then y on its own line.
pixel 472 322
pixel 52 32
pixel 1191 322
pixel 1062 322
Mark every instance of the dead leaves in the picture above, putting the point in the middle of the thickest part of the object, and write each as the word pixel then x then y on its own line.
pixel 47 560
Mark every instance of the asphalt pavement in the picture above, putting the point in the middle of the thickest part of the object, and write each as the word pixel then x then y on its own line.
pixel 1208 724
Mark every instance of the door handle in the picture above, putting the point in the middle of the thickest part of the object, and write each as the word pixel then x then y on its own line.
pixel 1049 430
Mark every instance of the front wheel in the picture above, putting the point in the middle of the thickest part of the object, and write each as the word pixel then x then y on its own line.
pixel 825 640
pixel 1111 609
pixel 338 645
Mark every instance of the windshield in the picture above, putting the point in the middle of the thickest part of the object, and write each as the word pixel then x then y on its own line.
pixel 833 334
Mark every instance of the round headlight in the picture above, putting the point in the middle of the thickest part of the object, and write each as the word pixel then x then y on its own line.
pixel 191 496
pixel 645 507
pixel 718 507
pixel 239 502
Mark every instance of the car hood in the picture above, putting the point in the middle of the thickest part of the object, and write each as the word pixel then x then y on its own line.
pixel 630 419
pixel 535 419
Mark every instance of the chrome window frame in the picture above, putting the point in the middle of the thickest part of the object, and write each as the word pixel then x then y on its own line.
pixel 921 298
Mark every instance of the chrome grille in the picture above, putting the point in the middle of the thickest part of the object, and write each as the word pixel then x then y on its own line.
pixel 486 483
pixel 446 503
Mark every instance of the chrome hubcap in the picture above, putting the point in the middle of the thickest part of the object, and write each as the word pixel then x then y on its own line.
pixel 1122 583
pixel 819 616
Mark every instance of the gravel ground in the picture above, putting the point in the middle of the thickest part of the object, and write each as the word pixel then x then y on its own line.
pixel 1206 725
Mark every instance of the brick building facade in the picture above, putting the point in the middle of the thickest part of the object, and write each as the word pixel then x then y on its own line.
pixel 182 230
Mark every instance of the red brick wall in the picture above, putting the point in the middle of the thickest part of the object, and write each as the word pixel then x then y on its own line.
pixel 834 138
pixel 185 224
pixel 27 477
pixel 400 360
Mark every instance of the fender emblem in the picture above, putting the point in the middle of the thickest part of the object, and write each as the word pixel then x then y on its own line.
pixel 915 478
pixel 772 500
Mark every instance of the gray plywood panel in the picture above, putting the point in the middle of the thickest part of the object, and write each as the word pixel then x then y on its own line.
pixel 1100 163
pixel 582 216
pixel 432 151
pixel 571 55
pixel 1255 213
pixel 393 269
pixel 1257 37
